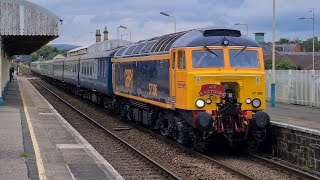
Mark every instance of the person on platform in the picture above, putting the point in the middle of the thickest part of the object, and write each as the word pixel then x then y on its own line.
pixel 11 73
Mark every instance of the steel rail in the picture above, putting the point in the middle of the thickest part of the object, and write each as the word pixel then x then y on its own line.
pixel 292 171
pixel 195 153
pixel 169 174
pixel 224 166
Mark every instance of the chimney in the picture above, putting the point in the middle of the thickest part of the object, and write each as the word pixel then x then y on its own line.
pixel 259 37
pixel 98 36
pixel 105 34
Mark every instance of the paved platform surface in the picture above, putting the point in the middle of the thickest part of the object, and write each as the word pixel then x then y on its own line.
pixel 12 166
pixel 55 150
pixel 296 117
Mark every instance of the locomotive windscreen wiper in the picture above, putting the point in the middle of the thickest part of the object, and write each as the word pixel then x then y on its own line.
pixel 211 51
pixel 240 51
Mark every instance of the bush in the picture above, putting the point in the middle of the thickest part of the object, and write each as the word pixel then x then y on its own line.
pixel 281 64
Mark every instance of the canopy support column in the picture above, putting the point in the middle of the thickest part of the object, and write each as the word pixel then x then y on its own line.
pixel 1 72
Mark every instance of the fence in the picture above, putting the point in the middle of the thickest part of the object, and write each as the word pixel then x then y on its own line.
pixel 296 86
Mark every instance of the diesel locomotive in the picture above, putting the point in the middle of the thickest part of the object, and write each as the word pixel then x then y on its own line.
pixel 197 87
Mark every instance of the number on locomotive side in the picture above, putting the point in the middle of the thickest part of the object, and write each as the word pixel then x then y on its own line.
pixel 257 93
pixel 153 89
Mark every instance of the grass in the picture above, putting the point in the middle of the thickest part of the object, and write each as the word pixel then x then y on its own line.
pixel 308 165
pixel 24 154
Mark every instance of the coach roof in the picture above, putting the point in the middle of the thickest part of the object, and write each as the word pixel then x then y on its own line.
pixel 191 38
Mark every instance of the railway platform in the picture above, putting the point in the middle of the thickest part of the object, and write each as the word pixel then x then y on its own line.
pixel 37 143
pixel 295 117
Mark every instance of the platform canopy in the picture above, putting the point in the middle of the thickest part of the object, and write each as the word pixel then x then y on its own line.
pixel 25 27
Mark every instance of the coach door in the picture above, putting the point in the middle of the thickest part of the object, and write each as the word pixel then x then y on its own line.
pixel 78 72
pixel 173 78
pixel 180 79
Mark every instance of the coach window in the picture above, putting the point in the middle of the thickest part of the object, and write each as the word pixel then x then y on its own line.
pixel 87 68
pixel 182 60
pixel 103 68
pixel 82 68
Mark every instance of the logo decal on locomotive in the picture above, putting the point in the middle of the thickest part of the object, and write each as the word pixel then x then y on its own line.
pixel 153 89
pixel 128 76
pixel 181 84
pixel 212 89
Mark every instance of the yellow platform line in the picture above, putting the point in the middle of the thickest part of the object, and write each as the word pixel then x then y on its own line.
pixel 41 171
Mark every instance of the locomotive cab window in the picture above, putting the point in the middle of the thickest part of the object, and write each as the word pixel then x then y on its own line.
pixel 173 65
pixel 207 59
pixel 181 60
pixel 244 58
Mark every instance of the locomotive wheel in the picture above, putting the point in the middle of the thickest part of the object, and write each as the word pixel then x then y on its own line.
pixel 165 128
pixel 176 135
pixel 180 131
pixel 198 144
pixel 253 145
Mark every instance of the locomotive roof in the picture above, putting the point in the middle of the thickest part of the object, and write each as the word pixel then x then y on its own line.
pixel 191 38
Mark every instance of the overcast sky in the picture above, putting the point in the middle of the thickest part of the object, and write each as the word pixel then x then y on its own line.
pixel 142 17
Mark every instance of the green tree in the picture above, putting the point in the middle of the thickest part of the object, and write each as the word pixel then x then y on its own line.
pixel 308 45
pixel 45 53
pixel 268 64
pixel 285 64
pixel 281 64
pixel 283 41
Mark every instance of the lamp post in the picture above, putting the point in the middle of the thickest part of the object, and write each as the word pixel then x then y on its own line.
pixel 239 24
pixel 123 35
pixel 312 18
pixel 124 27
pixel 273 84
pixel 174 19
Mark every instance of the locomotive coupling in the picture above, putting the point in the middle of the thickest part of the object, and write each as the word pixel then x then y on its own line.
pixel 260 121
pixel 204 121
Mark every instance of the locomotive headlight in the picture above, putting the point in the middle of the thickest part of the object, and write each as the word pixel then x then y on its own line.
pixel 248 100
pixel 225 42
pixel 256 103
pixel 200 103
pixel 208 101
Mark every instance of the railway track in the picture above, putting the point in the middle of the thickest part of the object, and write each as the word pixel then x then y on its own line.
pixel 250 158
pixel 138 165
pixel 163 173
pixel 236 172
pixel 285 168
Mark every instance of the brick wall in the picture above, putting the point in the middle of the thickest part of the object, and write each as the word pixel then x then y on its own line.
pixel 297 147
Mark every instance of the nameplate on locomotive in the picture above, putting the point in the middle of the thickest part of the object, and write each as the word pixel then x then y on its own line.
pixel 212 89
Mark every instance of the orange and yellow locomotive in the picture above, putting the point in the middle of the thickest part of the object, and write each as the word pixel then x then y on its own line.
pixel 194 86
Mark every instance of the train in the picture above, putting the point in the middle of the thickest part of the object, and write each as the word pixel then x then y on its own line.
pixel 199 87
